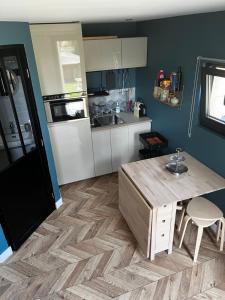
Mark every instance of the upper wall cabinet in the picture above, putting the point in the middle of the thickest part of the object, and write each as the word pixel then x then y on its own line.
pixel 109 54
pixel 59 54
pixel 102 54
pixel 134 52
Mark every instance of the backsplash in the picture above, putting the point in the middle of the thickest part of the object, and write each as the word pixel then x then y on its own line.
pixel 107 104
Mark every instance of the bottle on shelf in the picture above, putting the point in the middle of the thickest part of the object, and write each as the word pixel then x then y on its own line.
pixel 173 80
pixel 179 79
pixel 160 76
pixel 117 107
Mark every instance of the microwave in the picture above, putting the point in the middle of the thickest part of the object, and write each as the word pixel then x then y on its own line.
pixel 64 107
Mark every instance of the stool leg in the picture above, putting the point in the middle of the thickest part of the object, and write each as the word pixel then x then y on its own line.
pixel 218 230
pixel 186 220
pixel 198 242
pixel 222 234
pixel 181 219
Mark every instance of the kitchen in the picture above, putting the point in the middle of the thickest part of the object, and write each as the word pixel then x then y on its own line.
pixel 106 133
pixel 82 152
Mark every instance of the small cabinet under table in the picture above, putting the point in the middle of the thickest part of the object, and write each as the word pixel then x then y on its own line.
pixel 151 227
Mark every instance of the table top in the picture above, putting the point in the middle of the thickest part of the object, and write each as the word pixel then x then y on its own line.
pixel 158 186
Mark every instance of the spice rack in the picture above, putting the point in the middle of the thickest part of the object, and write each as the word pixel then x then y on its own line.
pixel 168 89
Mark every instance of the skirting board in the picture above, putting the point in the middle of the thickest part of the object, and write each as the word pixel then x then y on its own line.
pixel 6 254
pixel 58 203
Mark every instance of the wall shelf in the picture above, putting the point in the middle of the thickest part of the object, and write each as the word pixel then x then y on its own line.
pixel 179 96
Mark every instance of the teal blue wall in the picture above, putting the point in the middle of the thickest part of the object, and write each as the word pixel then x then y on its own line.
pixel 177 42
pixel 95 80
pixel 123 29
pixel 18 33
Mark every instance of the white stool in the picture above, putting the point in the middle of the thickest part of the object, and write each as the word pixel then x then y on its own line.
pixel 203 213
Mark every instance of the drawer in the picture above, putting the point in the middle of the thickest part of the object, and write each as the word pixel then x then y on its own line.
pixel 163 221
pixel 163 224
pixel 162 239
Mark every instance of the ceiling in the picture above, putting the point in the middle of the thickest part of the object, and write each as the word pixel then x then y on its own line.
pixel 89 11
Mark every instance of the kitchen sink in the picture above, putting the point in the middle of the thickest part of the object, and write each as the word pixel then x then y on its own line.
pixel 106 120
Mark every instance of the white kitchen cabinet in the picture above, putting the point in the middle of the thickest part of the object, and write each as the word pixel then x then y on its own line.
pixel 116 146
pixel 134 52
pixel 72 150
pixel 102 54
pixel 108 54
pixel 101 140
pixel 133 136
pixel 59 55
pixel 119 146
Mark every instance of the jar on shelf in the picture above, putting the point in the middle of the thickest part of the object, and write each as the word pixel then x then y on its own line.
pixel 164 95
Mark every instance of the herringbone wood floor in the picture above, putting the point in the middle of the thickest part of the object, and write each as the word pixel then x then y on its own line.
pixel 86 251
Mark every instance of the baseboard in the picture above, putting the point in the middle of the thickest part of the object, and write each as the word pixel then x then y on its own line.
pixel 6 254
pixel 58 203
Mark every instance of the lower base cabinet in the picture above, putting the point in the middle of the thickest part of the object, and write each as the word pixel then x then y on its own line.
pixel 72 150
pixel 80 153
pixel 101 141
pixel 116 146
pixel 119 146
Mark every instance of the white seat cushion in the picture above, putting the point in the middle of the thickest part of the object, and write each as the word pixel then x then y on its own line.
pixel 203 209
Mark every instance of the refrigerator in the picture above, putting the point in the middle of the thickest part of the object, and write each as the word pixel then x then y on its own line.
pixel 26 193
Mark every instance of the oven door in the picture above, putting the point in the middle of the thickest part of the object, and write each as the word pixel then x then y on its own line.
pixel 64 110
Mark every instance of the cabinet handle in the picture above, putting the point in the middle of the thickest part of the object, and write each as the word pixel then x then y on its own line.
pixel 164 205
pixel 162 235
pixel 163 221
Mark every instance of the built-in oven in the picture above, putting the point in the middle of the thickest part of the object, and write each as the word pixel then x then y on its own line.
pixel 64 107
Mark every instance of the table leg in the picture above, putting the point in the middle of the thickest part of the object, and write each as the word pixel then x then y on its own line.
pixel 153 234
pixel 172 227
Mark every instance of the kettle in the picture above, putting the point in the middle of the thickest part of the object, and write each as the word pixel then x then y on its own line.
pixel 139 109
pixel 142 110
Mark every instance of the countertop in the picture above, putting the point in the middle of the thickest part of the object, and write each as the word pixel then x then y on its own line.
pixel 128 119
pixel 159 187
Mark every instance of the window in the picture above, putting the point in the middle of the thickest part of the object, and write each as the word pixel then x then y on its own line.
pixel 212 108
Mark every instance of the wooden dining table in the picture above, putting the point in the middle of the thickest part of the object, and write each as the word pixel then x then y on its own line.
pixel 149 193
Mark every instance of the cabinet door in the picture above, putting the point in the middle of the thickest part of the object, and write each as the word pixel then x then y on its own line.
pixel 134 52
pixel 119 145
pixel 58 50
pixel 72 150
pixel 102 152
pixel 102 54
pixel 134 143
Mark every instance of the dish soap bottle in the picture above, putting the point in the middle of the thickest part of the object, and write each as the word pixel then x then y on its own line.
pixel 117 107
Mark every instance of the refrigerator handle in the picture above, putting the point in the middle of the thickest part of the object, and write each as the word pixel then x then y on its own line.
pixel 3 91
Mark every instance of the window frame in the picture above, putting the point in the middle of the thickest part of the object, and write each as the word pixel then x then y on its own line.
pixel 210 123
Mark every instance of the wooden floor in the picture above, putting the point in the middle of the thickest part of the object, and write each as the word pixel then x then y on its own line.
pixel 86 251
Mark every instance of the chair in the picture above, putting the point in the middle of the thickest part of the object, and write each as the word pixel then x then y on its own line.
pixel 203 213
